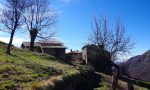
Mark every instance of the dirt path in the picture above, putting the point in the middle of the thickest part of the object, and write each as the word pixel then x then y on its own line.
pixel 103 82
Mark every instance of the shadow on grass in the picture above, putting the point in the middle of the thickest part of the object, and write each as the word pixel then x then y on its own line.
pixel 97 81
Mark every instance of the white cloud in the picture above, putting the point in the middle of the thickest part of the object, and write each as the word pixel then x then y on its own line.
pixel 2 33
pixel 16 41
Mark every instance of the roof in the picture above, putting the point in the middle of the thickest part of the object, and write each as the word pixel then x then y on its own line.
pixel 90 46
pixel 50 41
pixel 53 47
pixel 28 44
pixel 73 52
pixel 39 44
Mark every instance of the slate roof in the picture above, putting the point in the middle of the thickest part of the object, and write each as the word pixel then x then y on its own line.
pixel 50 41
pixel 38 44
pixel 28 44
pixel 73 52
pixel 90 46
pixel 53 47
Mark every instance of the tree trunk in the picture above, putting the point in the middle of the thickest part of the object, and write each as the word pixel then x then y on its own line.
pixel 115 76
pixel 33 35
pixel 114 82
pixel 130 86
pixel 10 42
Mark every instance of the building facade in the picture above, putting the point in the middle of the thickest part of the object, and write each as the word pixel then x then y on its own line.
pixel 88 52
pixel 74 55
pixel 97 57
pixel 51 47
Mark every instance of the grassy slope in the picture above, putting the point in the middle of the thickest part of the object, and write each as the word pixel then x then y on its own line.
pixel 23 67
pixel 105 84
pixel 27 69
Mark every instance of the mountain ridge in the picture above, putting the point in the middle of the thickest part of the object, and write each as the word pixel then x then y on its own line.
pixel 138 66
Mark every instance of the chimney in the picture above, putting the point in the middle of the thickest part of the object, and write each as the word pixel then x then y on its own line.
pixel 70 50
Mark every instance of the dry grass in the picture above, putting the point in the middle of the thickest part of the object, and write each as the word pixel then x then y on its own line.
pixel 22 68
pixel 46 84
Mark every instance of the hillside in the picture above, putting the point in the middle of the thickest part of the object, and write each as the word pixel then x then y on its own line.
pixel 138 67
pixel 104 83
pixel 26 70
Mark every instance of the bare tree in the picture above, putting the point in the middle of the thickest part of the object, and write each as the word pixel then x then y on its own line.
pixel 111 40
pixel 11 18
pixel 39 18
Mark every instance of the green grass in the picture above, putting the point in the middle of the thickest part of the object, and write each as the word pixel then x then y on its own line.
pixel 23 68
pixel 105 84
pixel 27 70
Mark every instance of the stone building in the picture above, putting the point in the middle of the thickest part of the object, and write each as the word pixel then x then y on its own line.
pixel 74 55
pixel 97 57
pixel 88 52
pixel 51 47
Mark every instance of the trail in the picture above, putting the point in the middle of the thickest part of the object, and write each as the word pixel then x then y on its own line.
pixel 103 82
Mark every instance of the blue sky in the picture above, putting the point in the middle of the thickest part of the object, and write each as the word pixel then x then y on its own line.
pixel 75 16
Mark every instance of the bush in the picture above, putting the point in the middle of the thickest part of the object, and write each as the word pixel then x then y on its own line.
pixel 101 62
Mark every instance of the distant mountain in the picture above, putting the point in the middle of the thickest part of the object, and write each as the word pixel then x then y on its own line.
pixel 138 67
